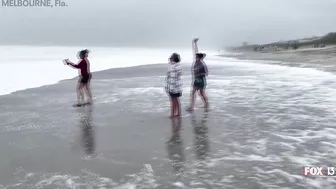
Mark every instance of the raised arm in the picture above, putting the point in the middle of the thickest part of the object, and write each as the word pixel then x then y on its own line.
pixel 195 47
pixel 78 65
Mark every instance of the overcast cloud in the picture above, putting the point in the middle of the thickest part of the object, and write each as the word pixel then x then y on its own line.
pixel 166 22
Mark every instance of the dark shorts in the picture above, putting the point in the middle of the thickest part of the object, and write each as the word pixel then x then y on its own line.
pixel 175 95
pixel 85 79
pixel 200 82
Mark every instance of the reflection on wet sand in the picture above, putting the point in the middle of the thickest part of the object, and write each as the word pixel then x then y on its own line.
pixel 201 172
pixel 201 136
pixel 175 148
pixel 87 138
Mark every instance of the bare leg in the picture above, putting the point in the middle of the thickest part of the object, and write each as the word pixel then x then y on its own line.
pixel 171 107
pixel 192 99
pixel 175 102
pixel 88 92
pixel 200 94
pixel 204 98
pixel 80 95
pixel 175 105
pixel 178 107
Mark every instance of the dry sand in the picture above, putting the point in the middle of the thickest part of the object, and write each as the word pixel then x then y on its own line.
pixel 322 58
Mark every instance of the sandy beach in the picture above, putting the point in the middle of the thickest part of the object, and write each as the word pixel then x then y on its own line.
pixel 255 135
pixel 318 58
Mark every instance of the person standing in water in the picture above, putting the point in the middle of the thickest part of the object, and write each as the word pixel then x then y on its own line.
pixel 174 84
pixel 199 72
pixel 85 77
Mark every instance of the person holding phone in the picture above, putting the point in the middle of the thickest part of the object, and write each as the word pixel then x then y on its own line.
pixel 84 77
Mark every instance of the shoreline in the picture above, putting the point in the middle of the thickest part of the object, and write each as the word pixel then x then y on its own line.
pixel 102 59
pixel 76 77
pixel 321 59
pixel 32 58
pixel 47 143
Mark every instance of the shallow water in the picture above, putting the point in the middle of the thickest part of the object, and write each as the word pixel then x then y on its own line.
pixel 266 122
pixel 26 67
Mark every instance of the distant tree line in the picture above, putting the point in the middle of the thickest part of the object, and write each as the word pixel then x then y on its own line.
pixel 329 39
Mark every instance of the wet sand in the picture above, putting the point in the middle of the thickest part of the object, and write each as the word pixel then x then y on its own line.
pixel 321 58
pixel 125 140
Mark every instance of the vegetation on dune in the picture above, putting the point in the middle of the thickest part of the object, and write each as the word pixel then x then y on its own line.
pixel 329 39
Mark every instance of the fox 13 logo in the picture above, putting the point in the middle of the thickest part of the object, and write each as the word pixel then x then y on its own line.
pixel 319 171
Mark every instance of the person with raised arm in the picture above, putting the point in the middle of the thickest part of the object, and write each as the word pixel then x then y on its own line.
pixel 85 77
pixel 199 73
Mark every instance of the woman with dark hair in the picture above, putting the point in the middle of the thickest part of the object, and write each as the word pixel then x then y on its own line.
pixel 199 72
pixel 85 77
pixel 174 84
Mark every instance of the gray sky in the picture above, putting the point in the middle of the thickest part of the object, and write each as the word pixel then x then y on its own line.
pixel 166 22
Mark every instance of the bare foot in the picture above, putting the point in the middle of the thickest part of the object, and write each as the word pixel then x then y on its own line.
pixel 178 115
pixel 77 105
pixel 205 106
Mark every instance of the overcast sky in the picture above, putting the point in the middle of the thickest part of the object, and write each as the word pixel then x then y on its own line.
pixel 167 22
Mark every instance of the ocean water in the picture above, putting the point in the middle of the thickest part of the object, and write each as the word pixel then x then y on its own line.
pixel 32 66
pixel 266 122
